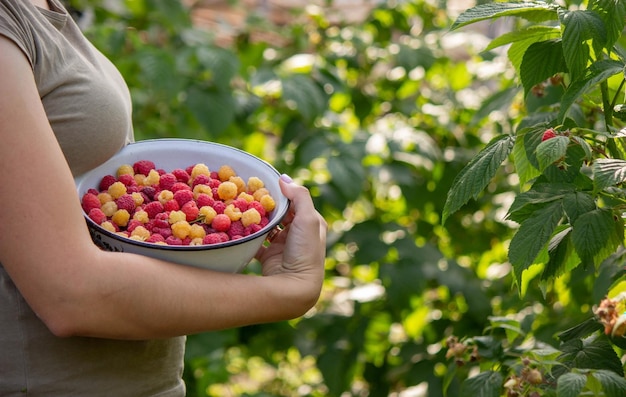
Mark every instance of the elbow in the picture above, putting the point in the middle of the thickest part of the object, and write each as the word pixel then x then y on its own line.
pixel 60 323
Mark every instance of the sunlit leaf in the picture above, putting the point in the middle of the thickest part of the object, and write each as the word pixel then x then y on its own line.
pixel 579 27
pixel 608 172
pixel 613 385
pixel 570 384
pixel 541 61
pixel 531 10
pixel 551 151
pixel 613 13
pixel 596 234
pixel 485 384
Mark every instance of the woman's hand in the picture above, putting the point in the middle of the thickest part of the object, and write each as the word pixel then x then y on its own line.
pixel 297 252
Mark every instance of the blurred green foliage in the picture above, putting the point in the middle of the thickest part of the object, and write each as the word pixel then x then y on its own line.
pixel 377 118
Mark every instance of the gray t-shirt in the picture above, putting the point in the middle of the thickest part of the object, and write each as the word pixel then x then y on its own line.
pixel 89 109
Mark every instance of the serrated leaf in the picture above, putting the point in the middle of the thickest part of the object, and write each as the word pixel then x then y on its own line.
pixel 485 384
pixel 525 170
pixel 577 203
pixel 585 146
pixel 532 235
pixel 608 172
pixel 581 330
pixel 596 73
pixel 475 176
pixel 595 235
pixel 222 63
pixel 527 203
pixel 531 34
pixel 594 352
pixel 532 139
pixel 559 250
pixel 541 61
pixel 303 95
pixel 579 26
pixel 613 13
pixel 613 384
pixel 551 150
pixel 536 11
pixel 570 384
pixel 214 110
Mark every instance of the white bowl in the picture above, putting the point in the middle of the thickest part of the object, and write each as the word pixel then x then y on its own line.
pixel 169 154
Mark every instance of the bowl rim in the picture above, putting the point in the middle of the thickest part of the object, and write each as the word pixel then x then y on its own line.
pixel 276 220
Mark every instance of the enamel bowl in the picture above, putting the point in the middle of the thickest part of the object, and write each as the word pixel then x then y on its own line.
pixel 168 154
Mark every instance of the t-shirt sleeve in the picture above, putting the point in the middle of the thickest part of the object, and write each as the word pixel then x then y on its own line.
pixel 15 25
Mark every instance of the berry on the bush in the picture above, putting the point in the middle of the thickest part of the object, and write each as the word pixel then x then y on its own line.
pixel 548 134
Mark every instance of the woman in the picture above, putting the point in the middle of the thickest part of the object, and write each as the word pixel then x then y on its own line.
pixel 76 320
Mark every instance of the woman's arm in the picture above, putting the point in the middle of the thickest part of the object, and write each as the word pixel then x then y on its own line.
pixel 77 289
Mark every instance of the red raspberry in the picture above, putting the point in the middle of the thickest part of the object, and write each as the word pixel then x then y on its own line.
pixel 183 196
pixel 219 207
pixel 97 215
pixel 236 229
pixel 132 224
pixel 166 181
pixel 89 202
pixel 149 192
pixel 171 205
pixel 179 186
pixel 186 241
pixel 163 231
pixel 132 189
pixel 214 183
pixel 191 210
pixel 171 240
pixel 253 228
pixel 106 181
pixel 241 203
pixel 189 169
pixel 264 221
pixel 162 219
pixel 127 180
pixel 155 238
pixel 201 180
pixel 93 191
pixel 153 208
pixel 215 175
pixel 143 167
pixel 212 238
pixel 548 134
pixel 126 202
pixel 204 200
pixel 221 223
pixel 181 175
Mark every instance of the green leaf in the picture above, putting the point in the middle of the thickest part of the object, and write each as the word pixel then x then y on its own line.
pixel 527 203
pixel 485 384
pixel 613 13
pixel 520 40
pixel 222 63
pixel 570 384
pixel 551 151
pixel 347 175
pixel 524 168
pixel 594 352
pixel 596 235
pixel 214 110
pixel 541 61
pixel 302 95
pixel 477 174
pixel 533 234
pixel 608 172
pixel 613 384
pixel 536 11
pixel 579 26
pixel 580 331
pixel 559 251
pixel 597 73
pixel 577 203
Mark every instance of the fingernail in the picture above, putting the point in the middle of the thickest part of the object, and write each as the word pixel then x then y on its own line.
pixel 286 178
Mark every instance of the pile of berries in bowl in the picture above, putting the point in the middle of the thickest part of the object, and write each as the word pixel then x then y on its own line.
pixel 186 201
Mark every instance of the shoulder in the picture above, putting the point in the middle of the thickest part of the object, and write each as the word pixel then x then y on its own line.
pixel 16 24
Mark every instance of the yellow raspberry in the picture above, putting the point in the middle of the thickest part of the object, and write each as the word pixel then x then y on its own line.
pixel 241 184
pixel 104 197
pixel 196 231
pixel 232 212
pixel 121 217
pixel 109 208
pixel 164 196
pixel 196 241
pixel 140 232
pixel 254 184
pixel 225 172
pixel 176 216
pixel 125 169
pixel 141 216
pixel 227 190
pixel 208 213
pixel 200 189
pixel 199 169
pixel 140 179
pixel 137 198
pixel 260 193
pixel 250 216
pixel 153 178
pixel 108 226
pixel 268 203
pixel 246 196
pixel 181 229
pixel 161 243
pixel 117 189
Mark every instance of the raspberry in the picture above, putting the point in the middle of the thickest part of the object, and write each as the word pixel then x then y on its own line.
pixel 204 199
pixel 153 178
pixel 164 196
pixel 104 197
pixel 138 198
pixel 171 240
pixel 250 216
pixel 196 231
pixel 212 238
pixel 202 189
pixel 258 206
pixel 149 191
pixel 180 186
pixel 141 216
pixel 241 203
pixel 208 213
pixel 132 225
pixel 239 182
pixel 199 169
pixel 125 169
pixel 110 226
pixel 219 207
pixel 165 232
pixel 236 229
pixel 117 189
pixel 183 196
pixel 548 134
pixel 90 201
pixel 254 184
pixel 153 208
pixel 121 217
pixel 227 190
pixel 253 228
pixel 201 180
pixel 143 167
pixel 166 181
pixel 232 212
pixel 155 238
pixel 96 215
pixel 181 175
pixel 109 208
pixel 176 216
pixel 268 203
pixel 106 181
pixel 260 193
pixel 171 205
pixel 221 223
pixel 214 182
pixel 181 229
pixel 191 210
pixel 225 172
pixel 126 202
pixel 127 179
